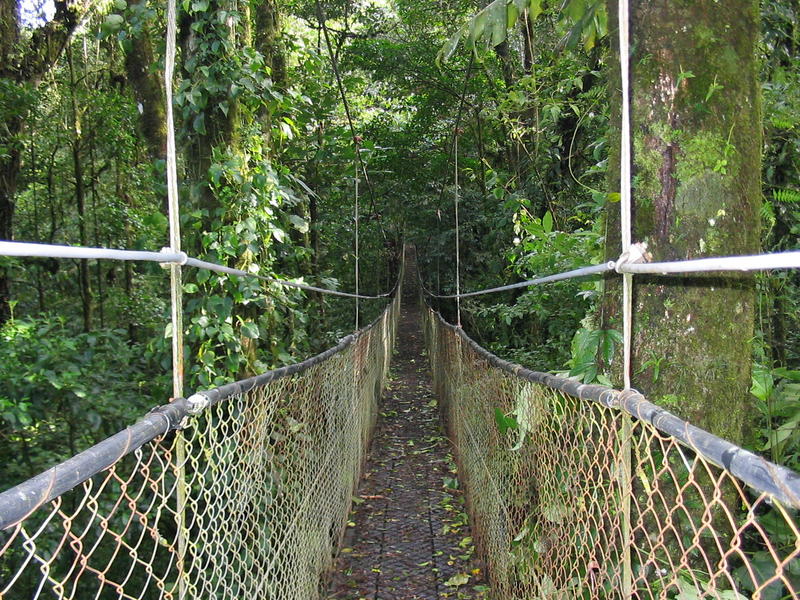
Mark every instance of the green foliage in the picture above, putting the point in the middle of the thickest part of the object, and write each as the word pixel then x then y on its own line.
pixel 64 389
pixel 587 21
pixel 777 393
pixel 589 347
pixel 492 22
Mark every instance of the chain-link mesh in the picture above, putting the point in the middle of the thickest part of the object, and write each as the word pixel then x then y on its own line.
pixel 248 500
pixel 573 497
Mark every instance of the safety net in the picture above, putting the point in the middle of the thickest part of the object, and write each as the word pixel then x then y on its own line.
pixel 238 492
pixel 581 491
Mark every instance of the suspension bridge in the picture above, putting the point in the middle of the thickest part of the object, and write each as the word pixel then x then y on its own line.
pixel 247 490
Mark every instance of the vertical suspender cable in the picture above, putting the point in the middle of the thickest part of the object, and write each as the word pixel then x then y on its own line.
pixel 358 149
pixel 176 299
pixel 174 214
pixel 625 187
pixel 625 469
pixel 458 241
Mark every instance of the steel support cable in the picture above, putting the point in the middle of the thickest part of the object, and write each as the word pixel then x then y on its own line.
pixel 176 298
pixel 452 146
pixel 335 65
pixel 166 256
pixel 358 257
pixel 582 272
pixel 759 262
pixel 458 230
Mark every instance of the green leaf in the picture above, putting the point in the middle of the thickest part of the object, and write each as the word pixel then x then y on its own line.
pixel 250 330
pixel 279 234
pixel 498 21
pixel 113 22
pixel 199 124
pixel 457 580
pixel 511 15
pixel 215 173
pixel 547 222
pixel 762 383
pixel 478 25
pixel 504 422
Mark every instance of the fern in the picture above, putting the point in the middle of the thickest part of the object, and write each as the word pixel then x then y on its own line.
pixel 768 213
pixel 780 122
pixel 786 196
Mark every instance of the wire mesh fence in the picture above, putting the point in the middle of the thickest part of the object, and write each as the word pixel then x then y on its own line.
pixel 579 491
pixel 248 498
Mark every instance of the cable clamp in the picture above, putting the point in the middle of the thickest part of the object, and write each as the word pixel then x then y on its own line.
pixel 183 258
pixel 197 403
pixel 636 253
pixel 609 398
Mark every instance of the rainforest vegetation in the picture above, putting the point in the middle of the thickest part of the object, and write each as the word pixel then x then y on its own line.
pixel 284 108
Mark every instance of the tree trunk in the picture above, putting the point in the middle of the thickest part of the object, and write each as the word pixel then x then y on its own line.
pixel 80 199
pixel 696 151
pixel 149 93
pixel 23 65
pixel 267 40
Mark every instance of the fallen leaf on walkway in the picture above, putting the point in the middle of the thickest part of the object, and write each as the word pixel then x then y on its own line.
pixel 457 580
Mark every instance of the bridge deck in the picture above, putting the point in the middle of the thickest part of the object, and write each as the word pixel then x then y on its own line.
pixel 407 540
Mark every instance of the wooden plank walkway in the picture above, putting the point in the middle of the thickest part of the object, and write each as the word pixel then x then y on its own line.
pixel 408 539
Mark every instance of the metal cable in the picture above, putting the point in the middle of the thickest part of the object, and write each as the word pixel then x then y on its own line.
pixel 458 234
pixel 759 262
pixel 176 287
pixel 582 272
pixel 166 256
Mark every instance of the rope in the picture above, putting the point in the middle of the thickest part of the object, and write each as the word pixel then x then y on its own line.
pixel 176 299
pixel 625 190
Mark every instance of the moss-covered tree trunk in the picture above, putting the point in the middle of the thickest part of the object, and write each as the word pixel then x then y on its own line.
pixel 696 151
pixel 146 83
